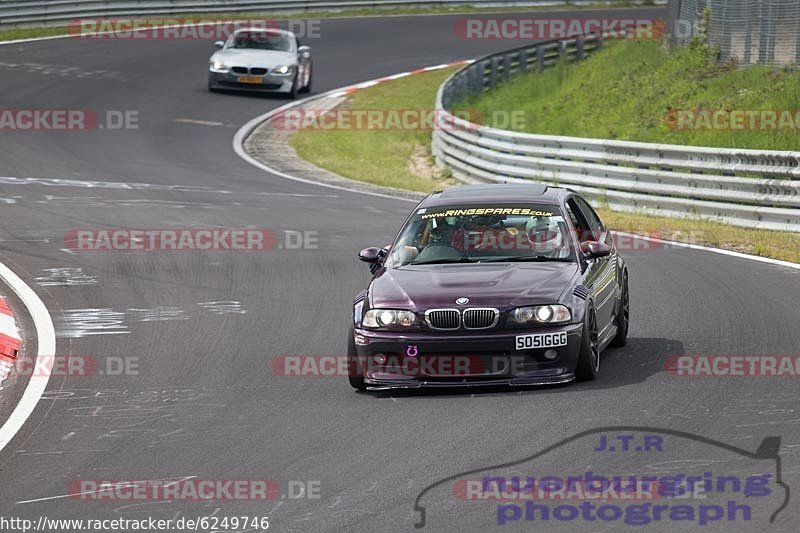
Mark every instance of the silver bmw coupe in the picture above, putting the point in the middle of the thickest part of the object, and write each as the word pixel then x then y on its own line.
pixel 262 60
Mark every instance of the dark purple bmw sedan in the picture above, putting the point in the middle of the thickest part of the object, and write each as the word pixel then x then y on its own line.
pixel 508 284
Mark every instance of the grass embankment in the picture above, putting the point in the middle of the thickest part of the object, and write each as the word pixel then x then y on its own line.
pixel 394 158
pixel 391 157
pixel 634 90
pixel 33 32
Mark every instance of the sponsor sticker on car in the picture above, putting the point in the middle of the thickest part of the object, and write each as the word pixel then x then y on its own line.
pixel 541 340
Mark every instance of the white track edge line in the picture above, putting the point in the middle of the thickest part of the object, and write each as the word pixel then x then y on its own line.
pixel 46 344
pixel 721 251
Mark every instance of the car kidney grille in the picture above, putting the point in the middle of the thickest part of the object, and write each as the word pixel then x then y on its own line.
pixel 480 318
pixel 444 319
pixel 258 71
pixel 239 70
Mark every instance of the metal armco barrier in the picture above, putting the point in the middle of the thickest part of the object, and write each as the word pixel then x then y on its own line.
pixel 753 188
pixel 59 12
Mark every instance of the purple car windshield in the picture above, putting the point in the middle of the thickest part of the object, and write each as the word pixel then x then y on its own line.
pixel 490 233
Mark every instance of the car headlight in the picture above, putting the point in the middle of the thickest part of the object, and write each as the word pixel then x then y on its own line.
pixel 283 69
pixel 381 318
pixel 219 66
pixel 541 314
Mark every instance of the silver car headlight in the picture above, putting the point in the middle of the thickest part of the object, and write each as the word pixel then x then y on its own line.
pixel 541 314
pixel 381 318
pixel 219 66
pixel 283 70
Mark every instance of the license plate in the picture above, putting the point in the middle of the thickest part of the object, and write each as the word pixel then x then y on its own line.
pixel 250 79
pixel 542 340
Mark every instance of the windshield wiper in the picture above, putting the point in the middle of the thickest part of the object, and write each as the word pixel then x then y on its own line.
pixel 529 258
pixel 444 261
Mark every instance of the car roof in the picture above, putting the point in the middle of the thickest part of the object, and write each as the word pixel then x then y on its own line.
pixel 276 31
pixel 496 192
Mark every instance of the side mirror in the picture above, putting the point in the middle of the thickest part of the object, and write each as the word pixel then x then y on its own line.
pixel 304 52
pixel 371 255
pixel 594 250
pixel 219 44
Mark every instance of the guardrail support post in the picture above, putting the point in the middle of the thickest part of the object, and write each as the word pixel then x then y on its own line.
pixel 523 59
pixel 478 77
pixel 493 72
pixel 540 58
pixel 579 50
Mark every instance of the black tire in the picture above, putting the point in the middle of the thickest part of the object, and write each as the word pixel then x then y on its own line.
pixel 211 88
pixel 353 367
pixel 293 92
pixel 307 87
pixel 589 356
pixel 623 315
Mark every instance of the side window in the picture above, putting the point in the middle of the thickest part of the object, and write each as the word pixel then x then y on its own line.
pixel 590 216
pixel 583 228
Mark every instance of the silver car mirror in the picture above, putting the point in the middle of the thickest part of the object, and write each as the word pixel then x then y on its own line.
pixel 219 44
pixel 304 52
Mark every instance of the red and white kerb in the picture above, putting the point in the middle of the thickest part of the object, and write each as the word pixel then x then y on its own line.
pixel 9 338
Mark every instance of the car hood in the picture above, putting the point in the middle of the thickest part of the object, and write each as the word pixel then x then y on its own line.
pixel 254 58
pixel 419 288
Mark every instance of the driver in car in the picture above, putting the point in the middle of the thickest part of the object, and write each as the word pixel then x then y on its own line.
pixel 546 237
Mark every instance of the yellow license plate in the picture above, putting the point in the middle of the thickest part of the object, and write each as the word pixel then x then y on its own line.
pixel 249 79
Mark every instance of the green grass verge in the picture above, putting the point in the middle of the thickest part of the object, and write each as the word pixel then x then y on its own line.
pixel 33 32
pixel 386 158
pixel 626 90
pixel 393 158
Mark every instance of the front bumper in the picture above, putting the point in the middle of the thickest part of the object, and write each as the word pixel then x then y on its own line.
pixel 271 84
pixel 424 359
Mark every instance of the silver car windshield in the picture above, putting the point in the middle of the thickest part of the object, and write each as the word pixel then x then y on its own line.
pixel 279 42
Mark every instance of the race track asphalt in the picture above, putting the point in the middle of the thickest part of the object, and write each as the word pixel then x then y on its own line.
pixel 206 402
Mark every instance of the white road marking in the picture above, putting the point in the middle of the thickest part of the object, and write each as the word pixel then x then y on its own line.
pixel 103 487
pixel 158 314
pixel 198 122
pixel 65 277
pixel 46 344
pixel 224 307
pixel 720 251
pixel 77 323
pixel 89 184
